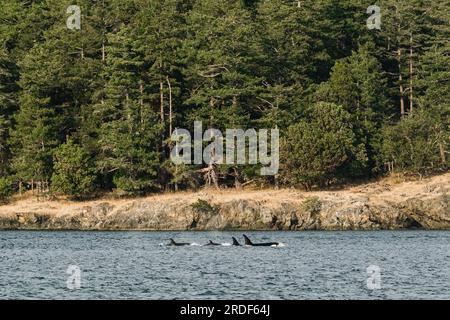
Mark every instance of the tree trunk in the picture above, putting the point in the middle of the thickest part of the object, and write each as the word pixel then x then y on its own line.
pixel 399 63
pixel 176 173
pixel 442 152
pixel 237 182
pixel 400 83
pixel 212 175
pixel 102 100
pixel 170 105
pixel 130 124
pixel 169 85
pixel 161 92
pixel 141 101
pixel 411 73
pixel 161 99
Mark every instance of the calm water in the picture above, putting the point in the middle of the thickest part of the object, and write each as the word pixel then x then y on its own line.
pixel 310 265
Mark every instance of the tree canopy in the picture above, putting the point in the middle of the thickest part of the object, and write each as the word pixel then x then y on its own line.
pixel 93 109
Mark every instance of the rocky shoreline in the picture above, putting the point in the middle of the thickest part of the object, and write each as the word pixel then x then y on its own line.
pixel 377 206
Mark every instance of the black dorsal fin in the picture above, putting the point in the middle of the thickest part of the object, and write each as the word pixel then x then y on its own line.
pixel 235 242
pixel 247 241
pixel 172 241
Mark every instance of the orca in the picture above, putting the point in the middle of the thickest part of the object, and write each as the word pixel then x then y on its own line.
pixel 263 244
pixel 173 243
pixel 235 242
pixel 210 243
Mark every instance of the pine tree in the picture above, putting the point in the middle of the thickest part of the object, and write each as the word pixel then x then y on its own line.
pixel 73 171
pixel 138 69
pixel 413 145
pixel 320 148
pixel 434 70
pixel 359 85
pixel 220 60
pixel 404 37
pixel 55 82
pixel 129 132
pixel 8 104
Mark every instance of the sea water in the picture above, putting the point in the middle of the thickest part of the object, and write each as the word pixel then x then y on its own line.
pixel 307 265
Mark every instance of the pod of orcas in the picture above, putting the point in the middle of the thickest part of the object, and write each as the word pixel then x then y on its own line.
pixel 247 242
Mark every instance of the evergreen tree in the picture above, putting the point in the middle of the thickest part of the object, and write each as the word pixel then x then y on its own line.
pixel 138 69
pixel 73 171
pixel 413 144
pixel 404 36
pixel 321 148
pixel 219 68
pixel 55 81
pixel 8 88
pixel 359 85
pixel 129 133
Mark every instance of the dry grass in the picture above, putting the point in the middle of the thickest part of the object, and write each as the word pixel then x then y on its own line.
pixel 389 189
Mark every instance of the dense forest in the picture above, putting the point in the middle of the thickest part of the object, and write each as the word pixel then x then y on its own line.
pixel 91 110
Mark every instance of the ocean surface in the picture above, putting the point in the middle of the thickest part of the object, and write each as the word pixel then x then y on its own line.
pixel 307 265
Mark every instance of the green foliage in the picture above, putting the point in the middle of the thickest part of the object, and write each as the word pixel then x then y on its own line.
pixel 129 132
pixel 358 84
pixel 5 189
pixel 138 69
pixel 73 174
pixel 416 144
pixel 204 207
pixel 311 205
pixel 320 149
pixel 8 74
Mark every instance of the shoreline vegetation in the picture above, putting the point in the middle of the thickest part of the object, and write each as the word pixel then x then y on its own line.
pixel 386 204
pixel 92 109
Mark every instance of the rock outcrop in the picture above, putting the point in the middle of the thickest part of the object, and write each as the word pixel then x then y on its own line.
pixel 420 204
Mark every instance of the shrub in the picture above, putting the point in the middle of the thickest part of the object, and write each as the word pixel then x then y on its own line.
pixel 322 148
pixel 5 189
pixel 312 205
pixel 203 207
pixel 416 144
pixel 72 174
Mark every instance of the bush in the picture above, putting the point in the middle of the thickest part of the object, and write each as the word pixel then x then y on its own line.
pixel 322 148
pixel 72 174
pixel 5 189
pixel 312 205
pixel 416 144
pixel 130 186
pixel 204 207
